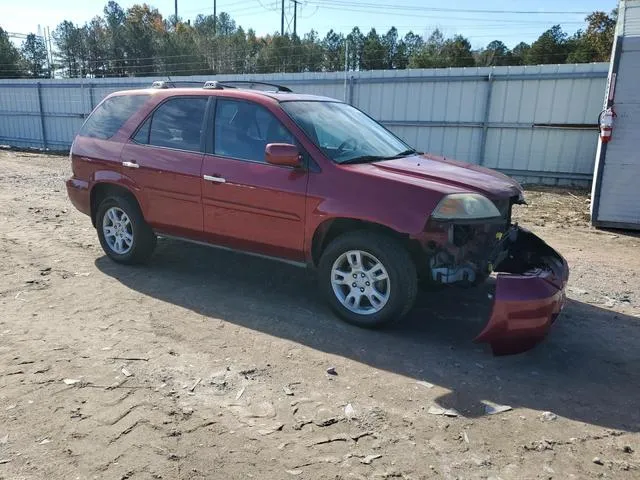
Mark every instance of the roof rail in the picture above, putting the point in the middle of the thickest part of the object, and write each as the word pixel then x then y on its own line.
pixel 213 84
pixel 247 83
pixel 217 85
pixel 173 83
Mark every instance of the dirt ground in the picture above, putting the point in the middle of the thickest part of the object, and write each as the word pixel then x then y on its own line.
pixel 209 364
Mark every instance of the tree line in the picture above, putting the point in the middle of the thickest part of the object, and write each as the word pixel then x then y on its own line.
pixel 138 41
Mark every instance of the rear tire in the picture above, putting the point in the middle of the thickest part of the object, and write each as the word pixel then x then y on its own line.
pixel 372 288
pixel 124 235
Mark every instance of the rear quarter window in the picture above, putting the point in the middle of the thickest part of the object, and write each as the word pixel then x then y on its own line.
pixel 178 123
pixel 110 115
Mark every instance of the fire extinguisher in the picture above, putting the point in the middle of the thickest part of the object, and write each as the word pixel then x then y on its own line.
pixel 605 119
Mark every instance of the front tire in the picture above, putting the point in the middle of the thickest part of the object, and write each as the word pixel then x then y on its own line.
pixel 368 279
pixel 124 235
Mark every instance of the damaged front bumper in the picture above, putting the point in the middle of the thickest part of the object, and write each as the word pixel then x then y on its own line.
pixel 529 293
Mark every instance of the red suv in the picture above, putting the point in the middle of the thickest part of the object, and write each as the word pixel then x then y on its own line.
pixel 314 182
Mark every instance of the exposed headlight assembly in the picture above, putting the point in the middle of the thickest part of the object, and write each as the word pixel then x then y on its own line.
pixel 465 206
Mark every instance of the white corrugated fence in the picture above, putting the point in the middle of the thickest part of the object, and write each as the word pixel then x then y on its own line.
pixel 537 123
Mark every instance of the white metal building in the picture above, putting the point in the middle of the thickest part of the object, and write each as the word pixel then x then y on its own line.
pixel 616 181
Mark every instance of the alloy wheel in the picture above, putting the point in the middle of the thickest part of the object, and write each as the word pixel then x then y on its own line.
pixel 360 282
pixel 118 230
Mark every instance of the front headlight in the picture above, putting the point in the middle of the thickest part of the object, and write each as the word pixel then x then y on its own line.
pixel 465 206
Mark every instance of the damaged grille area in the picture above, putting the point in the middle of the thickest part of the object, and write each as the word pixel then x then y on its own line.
pixel 465 252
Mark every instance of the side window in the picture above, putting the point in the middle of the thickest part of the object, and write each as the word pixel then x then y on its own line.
pixel 243 130
pixel 142 137
pixel 177 123
pixel 110 115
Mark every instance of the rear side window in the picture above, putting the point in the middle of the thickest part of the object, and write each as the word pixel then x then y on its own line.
pixel 177 123
pixel 142 136
pixel 110 115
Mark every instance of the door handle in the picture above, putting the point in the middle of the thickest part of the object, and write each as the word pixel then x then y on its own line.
pixel 210 178
pixel 130 165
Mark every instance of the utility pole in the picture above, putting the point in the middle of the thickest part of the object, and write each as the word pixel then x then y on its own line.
pixel 51 64
pixel 295 17
pixel 176 10
pixel 215 18
pixel 346 66
pixel 281 20
pixel 46 47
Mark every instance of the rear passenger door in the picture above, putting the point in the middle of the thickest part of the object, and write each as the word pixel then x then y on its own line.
pixel 164 158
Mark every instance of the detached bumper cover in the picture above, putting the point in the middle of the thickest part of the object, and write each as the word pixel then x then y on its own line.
pixel 529 294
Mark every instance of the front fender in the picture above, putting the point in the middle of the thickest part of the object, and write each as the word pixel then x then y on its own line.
pixel 358 192
pixel 321 218
pixel 410 221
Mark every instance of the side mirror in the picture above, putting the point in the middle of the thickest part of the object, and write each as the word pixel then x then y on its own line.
pixel 282 154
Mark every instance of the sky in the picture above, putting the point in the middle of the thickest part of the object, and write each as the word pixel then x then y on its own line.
pixel 420 16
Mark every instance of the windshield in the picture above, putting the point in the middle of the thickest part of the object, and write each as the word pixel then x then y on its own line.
pixel 344 133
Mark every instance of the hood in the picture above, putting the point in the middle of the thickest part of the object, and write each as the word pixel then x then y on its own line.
pixel 452 172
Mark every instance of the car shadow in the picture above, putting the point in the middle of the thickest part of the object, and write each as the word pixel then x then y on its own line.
pixel 586 370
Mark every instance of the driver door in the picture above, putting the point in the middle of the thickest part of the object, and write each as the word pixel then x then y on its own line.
pixel 250 204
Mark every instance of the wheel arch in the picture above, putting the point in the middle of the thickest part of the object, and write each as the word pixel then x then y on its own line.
pixel 332 228
pixel 101 190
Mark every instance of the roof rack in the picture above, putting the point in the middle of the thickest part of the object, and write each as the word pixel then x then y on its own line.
pixel 217 85
pixel 249 84
pixel 173 84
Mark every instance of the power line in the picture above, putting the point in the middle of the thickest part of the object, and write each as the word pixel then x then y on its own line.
pixel 125 62
pixel 232 11
pixel 122 62
pixel 251 10
pixel 284 65
pixel 225 53
pixel 416 15
pixel 521 28
pixel 312 13
pixel 495 23
pixel 21 36
pixel 274 9
pixel 397 6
